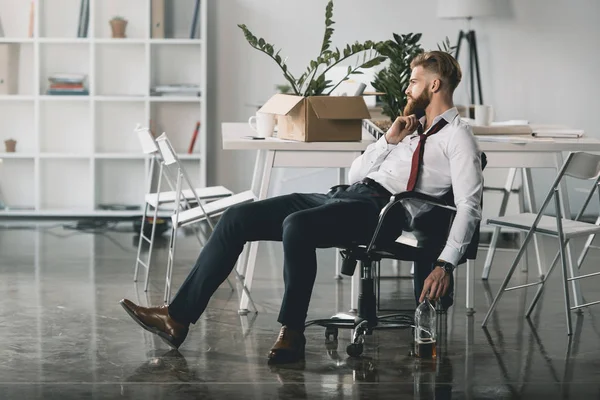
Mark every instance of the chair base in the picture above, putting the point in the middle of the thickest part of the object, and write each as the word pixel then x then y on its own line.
pixel 365 322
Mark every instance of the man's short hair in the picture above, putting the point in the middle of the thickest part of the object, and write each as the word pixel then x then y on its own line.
pixel 442 64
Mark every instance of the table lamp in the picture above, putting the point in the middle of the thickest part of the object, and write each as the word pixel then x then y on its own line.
pixel 468 9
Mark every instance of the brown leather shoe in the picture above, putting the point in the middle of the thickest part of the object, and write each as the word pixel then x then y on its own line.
pixel 157 321
pixel 288 348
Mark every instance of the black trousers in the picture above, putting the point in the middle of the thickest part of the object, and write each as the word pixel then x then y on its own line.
pixel 303 222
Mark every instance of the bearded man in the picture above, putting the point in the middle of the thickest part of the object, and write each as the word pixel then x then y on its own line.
pixel 307 221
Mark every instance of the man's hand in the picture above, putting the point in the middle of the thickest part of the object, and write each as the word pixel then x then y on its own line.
pixel 436 284
pixel 401 128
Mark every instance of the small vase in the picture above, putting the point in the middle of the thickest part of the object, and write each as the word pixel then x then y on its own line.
pixel 118 27
pixel 11 145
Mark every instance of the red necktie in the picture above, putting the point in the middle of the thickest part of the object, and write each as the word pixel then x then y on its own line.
pixel 417 158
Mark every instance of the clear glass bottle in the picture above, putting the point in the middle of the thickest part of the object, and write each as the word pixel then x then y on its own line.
pixel 425 330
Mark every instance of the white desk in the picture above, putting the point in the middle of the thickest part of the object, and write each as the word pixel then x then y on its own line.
pixel 274 152
pixel 277 153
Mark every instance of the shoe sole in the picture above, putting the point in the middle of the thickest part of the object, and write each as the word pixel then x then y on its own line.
pixel 168 339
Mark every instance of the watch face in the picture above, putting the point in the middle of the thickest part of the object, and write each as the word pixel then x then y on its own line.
pixel 446 266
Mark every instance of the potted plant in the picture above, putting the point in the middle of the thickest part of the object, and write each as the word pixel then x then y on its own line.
pixel 312 82
pixel 11 145
pixel 118 26
pixel 393 80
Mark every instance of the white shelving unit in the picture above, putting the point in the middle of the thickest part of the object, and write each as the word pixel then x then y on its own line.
pixel 78 155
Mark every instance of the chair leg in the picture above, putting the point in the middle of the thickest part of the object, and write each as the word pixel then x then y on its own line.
pixel 584 251
pixel 541 287
pixel 142 238
pixel 170 262
pixel 563 258
pixel 510 179
pixel 489 258
pixel 507 278
pixel 151 247
pixel 469 287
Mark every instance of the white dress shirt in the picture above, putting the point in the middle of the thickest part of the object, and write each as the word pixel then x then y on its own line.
pixel 451 160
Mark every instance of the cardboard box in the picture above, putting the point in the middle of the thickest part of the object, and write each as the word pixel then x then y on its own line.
pixel 318 118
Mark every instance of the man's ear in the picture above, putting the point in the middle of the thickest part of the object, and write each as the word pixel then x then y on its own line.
pixel 436 85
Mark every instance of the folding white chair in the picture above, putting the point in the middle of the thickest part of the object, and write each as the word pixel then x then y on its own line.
pixel 579 165
pixel 198 213
pixel 158 198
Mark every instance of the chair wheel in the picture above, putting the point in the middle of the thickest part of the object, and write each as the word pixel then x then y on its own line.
pixel 354 349
pixel 331 331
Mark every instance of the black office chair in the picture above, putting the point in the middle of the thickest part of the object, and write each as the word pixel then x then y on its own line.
pixel 383 245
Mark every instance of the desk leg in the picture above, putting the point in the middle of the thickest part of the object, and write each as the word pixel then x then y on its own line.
pixel 259 166
pixel 252 254
pixel 532 208
pixel 564 197
pixel 510 179
pixel 338 258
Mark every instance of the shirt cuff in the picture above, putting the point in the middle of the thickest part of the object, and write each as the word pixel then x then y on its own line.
pixel 450 255
pixel 383 145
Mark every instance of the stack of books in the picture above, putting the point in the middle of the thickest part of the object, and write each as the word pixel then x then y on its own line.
pixel 67 84
pixel 176 90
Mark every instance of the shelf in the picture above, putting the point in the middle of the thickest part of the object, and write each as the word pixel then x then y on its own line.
pixel 114 126
pixel 176 41
pixel 64 156
pixel 16 123
pixel 75 153
pixel 17 156
pixel 16 40
pixel 114 187
pixel 65 40
pixel 119 156
pixel 16 97
pixel 120 41
pixel 175 99
pixel 17 183
pixel 65 184
pixel 60 97
pixel 120 98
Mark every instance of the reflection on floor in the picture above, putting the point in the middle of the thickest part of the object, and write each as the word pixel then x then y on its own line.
pixel 65 336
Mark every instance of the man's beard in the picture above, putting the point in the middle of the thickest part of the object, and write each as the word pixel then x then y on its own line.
pixel 418 105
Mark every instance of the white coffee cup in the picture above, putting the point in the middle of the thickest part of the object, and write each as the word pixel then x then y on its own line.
pixel 484 115
pixel 263 124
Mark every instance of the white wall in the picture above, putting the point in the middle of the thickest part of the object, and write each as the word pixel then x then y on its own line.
pixel 537 60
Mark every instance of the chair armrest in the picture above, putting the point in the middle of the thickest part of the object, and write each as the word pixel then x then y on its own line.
pixel 404 196
pixel 425 198
pixel 338 187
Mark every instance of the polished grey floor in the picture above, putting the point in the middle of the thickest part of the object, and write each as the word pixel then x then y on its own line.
pixel 64 335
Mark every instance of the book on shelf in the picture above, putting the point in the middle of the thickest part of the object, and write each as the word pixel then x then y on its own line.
pixel 158 19
pixel 31 18
pixel 194 28
pixel 67 84
pixel 84 17
pixel 194 137
pixel 176 90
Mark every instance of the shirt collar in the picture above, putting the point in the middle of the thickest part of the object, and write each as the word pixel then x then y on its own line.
pixel 448 115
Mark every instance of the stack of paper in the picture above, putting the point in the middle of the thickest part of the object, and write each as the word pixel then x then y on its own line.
pixel 502 130
pixel 558 133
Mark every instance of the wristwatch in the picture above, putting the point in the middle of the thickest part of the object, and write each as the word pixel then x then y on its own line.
pixel 448 267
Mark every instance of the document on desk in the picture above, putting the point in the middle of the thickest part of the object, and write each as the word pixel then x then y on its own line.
pixel 558 133
pixel 520 139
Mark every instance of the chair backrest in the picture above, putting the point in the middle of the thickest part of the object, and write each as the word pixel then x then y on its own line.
pixel 582 165
pixel 428 226
pixel 166 149
pixel 146 140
